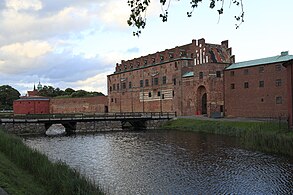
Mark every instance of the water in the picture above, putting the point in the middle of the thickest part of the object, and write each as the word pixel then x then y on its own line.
pixel 169 162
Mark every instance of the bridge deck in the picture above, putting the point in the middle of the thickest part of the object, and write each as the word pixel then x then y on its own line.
pixel 55 118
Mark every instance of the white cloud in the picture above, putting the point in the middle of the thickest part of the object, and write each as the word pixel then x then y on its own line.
pixel 24 4
pixel 30 49
pixel 95 83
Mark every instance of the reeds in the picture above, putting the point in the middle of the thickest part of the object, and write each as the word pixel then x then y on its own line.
pixel 269 136
pixel 58 178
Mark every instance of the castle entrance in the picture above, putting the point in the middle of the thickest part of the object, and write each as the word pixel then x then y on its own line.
pixel 201 100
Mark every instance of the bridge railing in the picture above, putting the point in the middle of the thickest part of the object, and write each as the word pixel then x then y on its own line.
pixel 83 116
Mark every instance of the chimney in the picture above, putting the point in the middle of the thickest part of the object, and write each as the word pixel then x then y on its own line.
pixel 284 53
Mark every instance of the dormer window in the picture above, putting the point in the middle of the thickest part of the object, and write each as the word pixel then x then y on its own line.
pixel 171 55
pixel 154 60
pixel 161 58
pixel 145 62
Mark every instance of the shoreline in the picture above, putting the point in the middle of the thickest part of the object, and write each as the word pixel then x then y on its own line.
pixel 269 136
pixel 35 173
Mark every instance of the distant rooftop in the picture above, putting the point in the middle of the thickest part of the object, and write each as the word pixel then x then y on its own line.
pixel 269 60
pixel 32 98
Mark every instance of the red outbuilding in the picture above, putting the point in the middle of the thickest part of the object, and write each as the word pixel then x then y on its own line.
pixel 32 105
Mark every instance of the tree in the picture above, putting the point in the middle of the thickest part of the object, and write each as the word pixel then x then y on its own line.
pixel 7 95
pixel 137 16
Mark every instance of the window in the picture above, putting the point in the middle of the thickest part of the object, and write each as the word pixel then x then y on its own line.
pixel 145 62
pixel 173 93
pixel 218 74
pixel 141 83
pixel 261 84
pixel 161 58
pixel 146 82
pixel 261 69
pixel 117 86
pixel 176 67
pixel 123 85
pixel 246 85
pixel 112 100
pixel 130 85
pixel 163 96
pixel 150 94
pixel 278 82
pixel 114 87
pixel 246 71
pixel 174 81
pixel 232 73
pixel 200 75
pixel 110 88
pixel 156 81
pixel 278 67
pixel 279 100
pixel 232 85
pixel 159 93
pixel 164 80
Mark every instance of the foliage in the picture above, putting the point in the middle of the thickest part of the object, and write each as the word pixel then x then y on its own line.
pixel 137 16
pixel 270 136
pixel 57 178
pixel 49 91
pixel 7 95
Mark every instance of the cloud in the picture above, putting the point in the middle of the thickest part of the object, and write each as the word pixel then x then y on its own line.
pixel 30 49
pixel 24 4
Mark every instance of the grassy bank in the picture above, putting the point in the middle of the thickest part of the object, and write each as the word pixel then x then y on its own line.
pixel 26 171
pixel 271 137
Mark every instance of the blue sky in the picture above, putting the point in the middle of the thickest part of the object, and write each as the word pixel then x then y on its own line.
pixel 77 43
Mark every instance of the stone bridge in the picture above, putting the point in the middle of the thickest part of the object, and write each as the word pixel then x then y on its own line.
pixel 78 123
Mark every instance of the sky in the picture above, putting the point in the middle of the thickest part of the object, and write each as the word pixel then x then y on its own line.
pixel 77 43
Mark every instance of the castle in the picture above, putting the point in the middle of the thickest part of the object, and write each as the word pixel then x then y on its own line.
pixel 203 79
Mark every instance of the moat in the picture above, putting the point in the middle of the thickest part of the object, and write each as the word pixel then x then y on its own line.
pixel 169 162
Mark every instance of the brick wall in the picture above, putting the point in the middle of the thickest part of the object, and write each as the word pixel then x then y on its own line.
pixel 96 104
pixel 263 95
pixel 31 106
pixel 167 91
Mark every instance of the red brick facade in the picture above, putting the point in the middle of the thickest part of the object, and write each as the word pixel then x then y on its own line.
pixel 31 105
pixel 289 66
pixel 98 104
pixel 186 79
pixel 256 91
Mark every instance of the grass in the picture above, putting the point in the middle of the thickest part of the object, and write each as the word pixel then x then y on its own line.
pixel 26 171
pixel 270 137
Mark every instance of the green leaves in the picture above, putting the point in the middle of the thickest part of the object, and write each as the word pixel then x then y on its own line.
pixel 137 17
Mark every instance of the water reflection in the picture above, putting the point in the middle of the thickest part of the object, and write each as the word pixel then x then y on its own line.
pixel 170 162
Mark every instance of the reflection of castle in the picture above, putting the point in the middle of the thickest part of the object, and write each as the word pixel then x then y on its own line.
pixel 202 78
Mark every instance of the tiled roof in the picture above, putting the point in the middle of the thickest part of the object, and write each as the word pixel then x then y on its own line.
pixel 188 74
pixel 32 98
pixel 269 60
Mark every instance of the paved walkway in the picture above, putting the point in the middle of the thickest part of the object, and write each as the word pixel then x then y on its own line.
pixel 202 117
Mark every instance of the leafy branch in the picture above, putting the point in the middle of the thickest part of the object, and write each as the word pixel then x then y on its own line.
pixel 137 17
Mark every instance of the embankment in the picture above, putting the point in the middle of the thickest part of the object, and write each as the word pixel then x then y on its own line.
pixel 270 137
pixel 26 171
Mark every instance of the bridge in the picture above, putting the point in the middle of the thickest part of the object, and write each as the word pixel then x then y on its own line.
pixel 40 123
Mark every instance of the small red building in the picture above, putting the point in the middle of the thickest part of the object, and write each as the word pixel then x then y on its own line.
pixel 32 105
